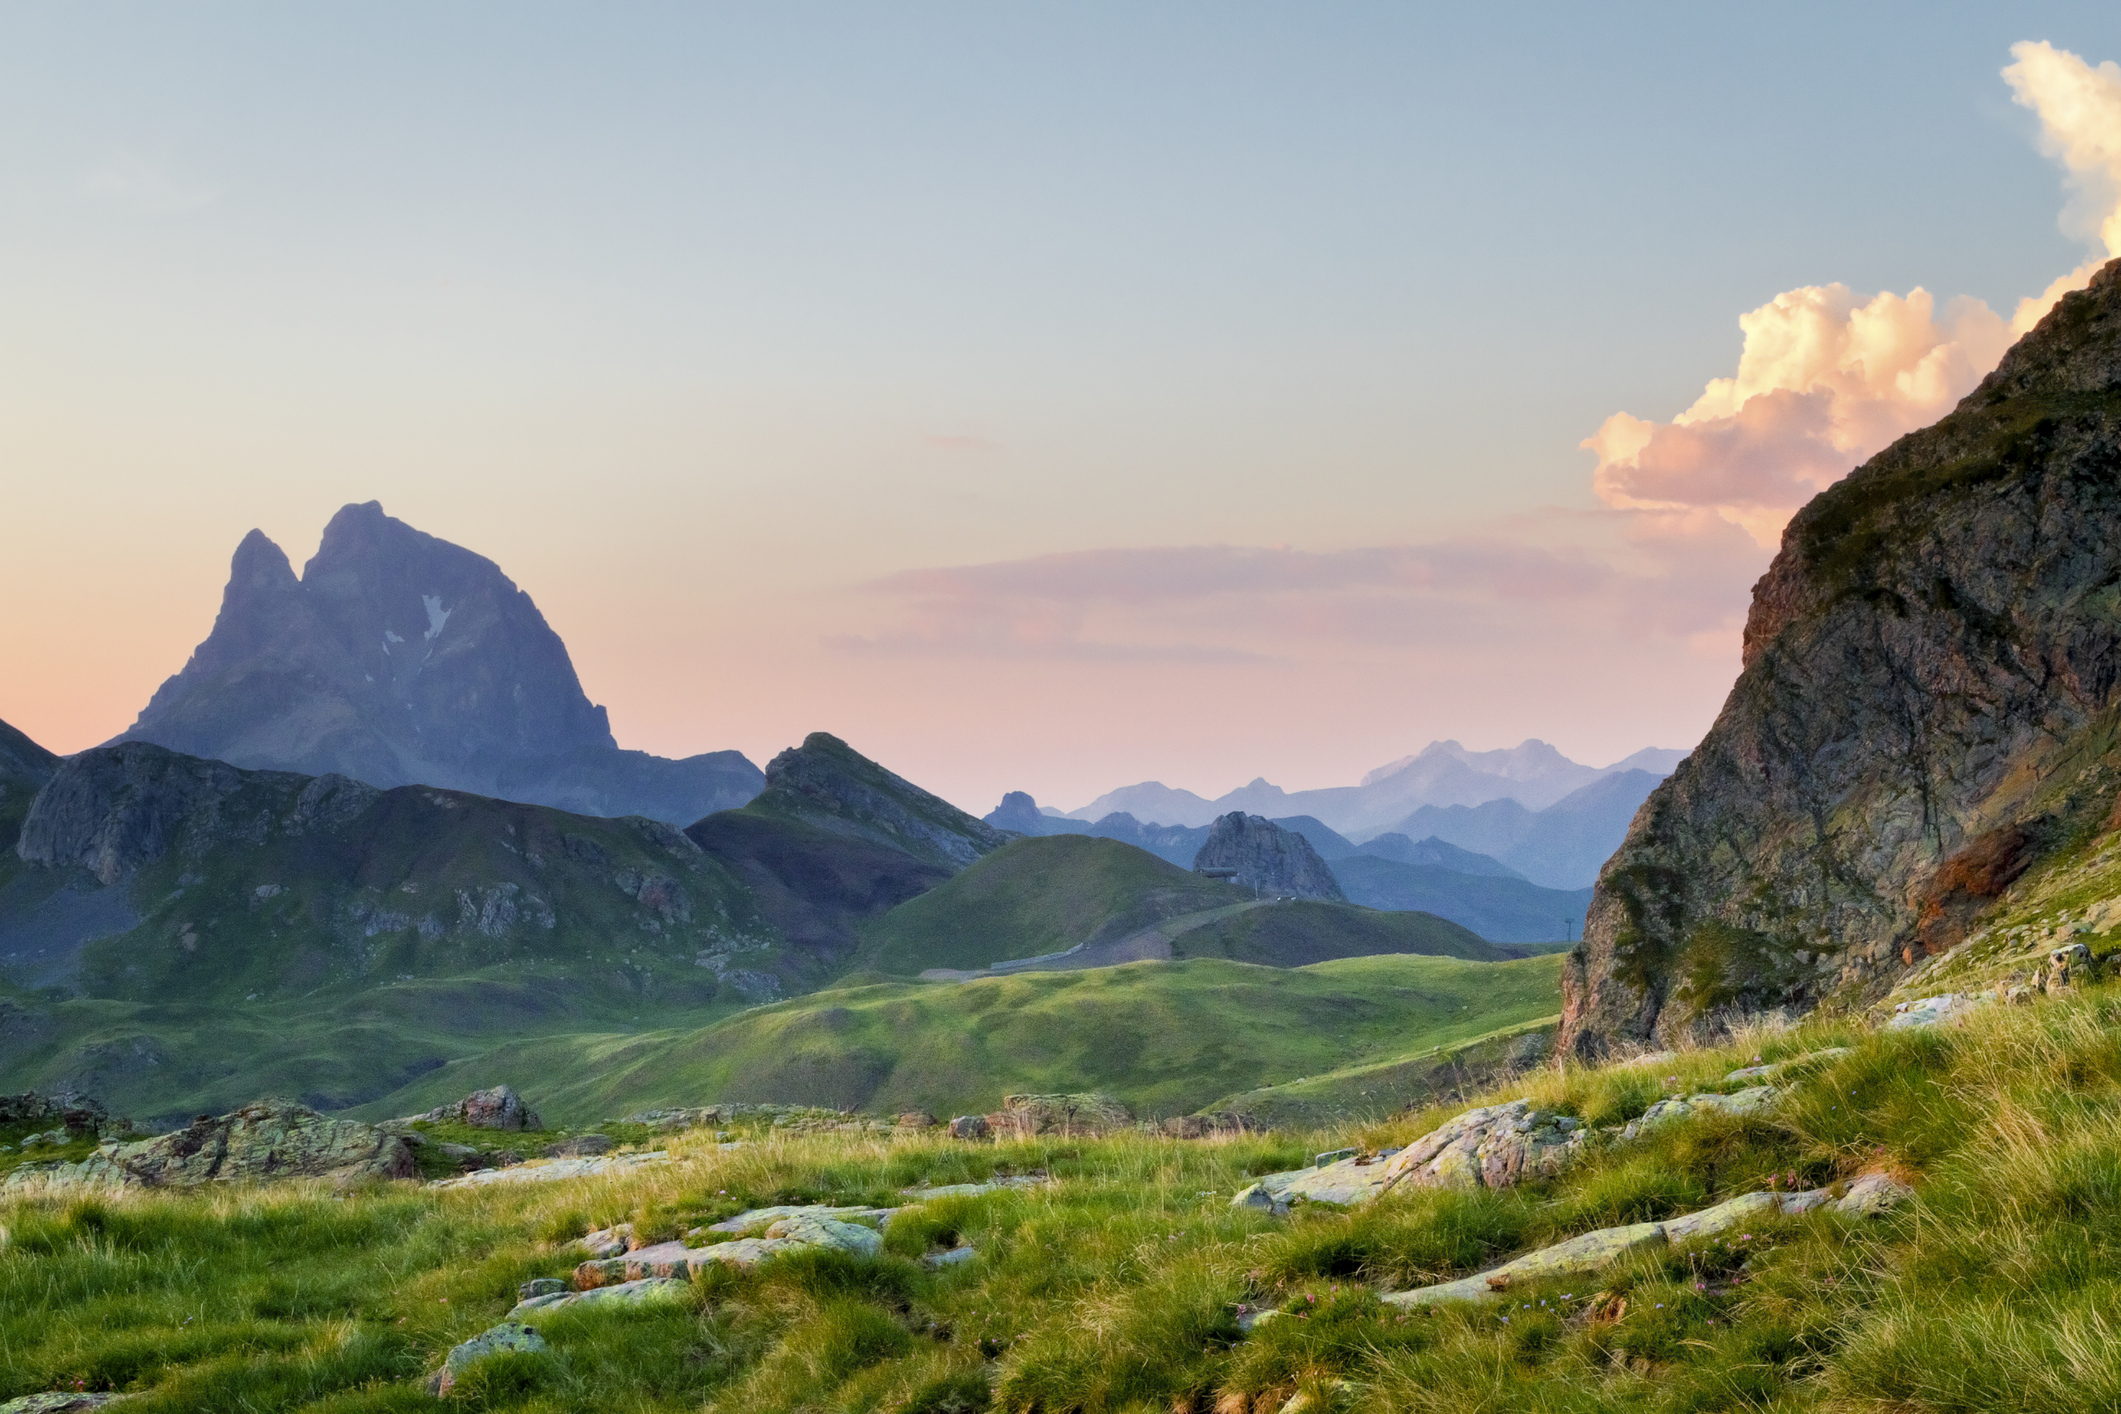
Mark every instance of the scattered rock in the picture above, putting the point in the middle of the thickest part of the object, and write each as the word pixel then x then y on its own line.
pixel 582 1146
pixel 1929 1011
pixel 969 1127
pixel 1755 1100
pixel 2067 966
pixel 914 1119
pixel 643 1292
pixel 540 1286
pixel 1494 1146
pixel 508 1338
pixel 1259 1198
pixel 754 1218
pixel 553 1170
pixel 956 1256
pixel 1593 1251
pixel 971 1190
pixel 270 1139
pixel 498 1108
pixel 1022 1116
pixel 59 1402
pixel 614 1241
pixel 1333 1156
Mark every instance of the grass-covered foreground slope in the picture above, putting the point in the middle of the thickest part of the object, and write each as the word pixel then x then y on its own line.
pixel 1118 1286
pixel 1167 1038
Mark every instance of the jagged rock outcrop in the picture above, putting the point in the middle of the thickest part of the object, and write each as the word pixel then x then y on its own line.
pixel 398 658
pixel 828 784
pixel 267 1140
pixel 498 1108
pixel 1269 860
pixel 1932 668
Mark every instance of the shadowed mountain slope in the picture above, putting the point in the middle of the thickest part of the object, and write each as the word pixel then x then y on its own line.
pixel 1500 909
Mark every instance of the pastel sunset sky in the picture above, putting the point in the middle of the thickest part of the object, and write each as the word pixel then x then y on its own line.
pixel 1040 397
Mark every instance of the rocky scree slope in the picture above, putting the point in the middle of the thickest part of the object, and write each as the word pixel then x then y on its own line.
pixel 398 658
pixel 1928 709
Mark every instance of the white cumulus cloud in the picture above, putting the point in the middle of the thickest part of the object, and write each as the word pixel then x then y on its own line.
pixel 1828 377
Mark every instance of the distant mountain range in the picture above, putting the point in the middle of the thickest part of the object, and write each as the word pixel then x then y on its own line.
pixel 1443 773
pixel 176 932
pixel 400 659
pixel 1395 872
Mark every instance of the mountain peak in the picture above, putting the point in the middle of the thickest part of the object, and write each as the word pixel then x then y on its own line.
pixel 399 658
pixel 828 784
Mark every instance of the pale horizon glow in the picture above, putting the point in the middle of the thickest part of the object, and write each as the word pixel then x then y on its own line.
pixel 1037 401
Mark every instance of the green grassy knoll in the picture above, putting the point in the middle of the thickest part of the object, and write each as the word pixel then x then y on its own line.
pixel 1307 931
pixel 1036 896
pixel 1116 1288
pixel 171 1060
pixel 1164 1037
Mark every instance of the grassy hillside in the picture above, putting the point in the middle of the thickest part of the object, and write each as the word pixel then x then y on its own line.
pixel 1036 896
pixel 426 883
pixel 1116 1288
pixel 171 1060
pixel 1305 931
pixel 1167 1038
pixel 1497 907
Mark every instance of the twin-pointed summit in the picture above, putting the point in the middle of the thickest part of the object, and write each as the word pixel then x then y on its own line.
pixel 399 658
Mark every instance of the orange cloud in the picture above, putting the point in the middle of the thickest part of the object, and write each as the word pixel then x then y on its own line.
pixel 1828 378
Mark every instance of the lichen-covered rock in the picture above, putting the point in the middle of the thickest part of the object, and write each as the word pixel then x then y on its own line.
pixel 271 1139
pixel 1865 1197
pixel 1027 1115
pixel 582 1146
pixel 59 1402
pixel 1268 859
pixel 969 1127
pixel 1494 1146
pixel 508 1338
pixel 1928 663
pixel 498 1108
pixel 1751 1101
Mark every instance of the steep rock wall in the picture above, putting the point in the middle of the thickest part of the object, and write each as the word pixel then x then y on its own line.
pixel 1928 703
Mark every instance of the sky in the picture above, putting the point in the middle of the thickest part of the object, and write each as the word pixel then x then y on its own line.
pixel 1038 397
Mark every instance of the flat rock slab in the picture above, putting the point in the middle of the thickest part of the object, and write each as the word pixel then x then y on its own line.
pixel 759 1217
pixel 676 1260
pixel 553 1170
pixel 1348 1182
pixel 58 1402
pixel 1594 1251
pixel 645 1291
pixel 973 1190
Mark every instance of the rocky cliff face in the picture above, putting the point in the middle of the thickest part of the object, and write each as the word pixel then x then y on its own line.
pixel 399 658
pixel 1928 708
pixel 1268 859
